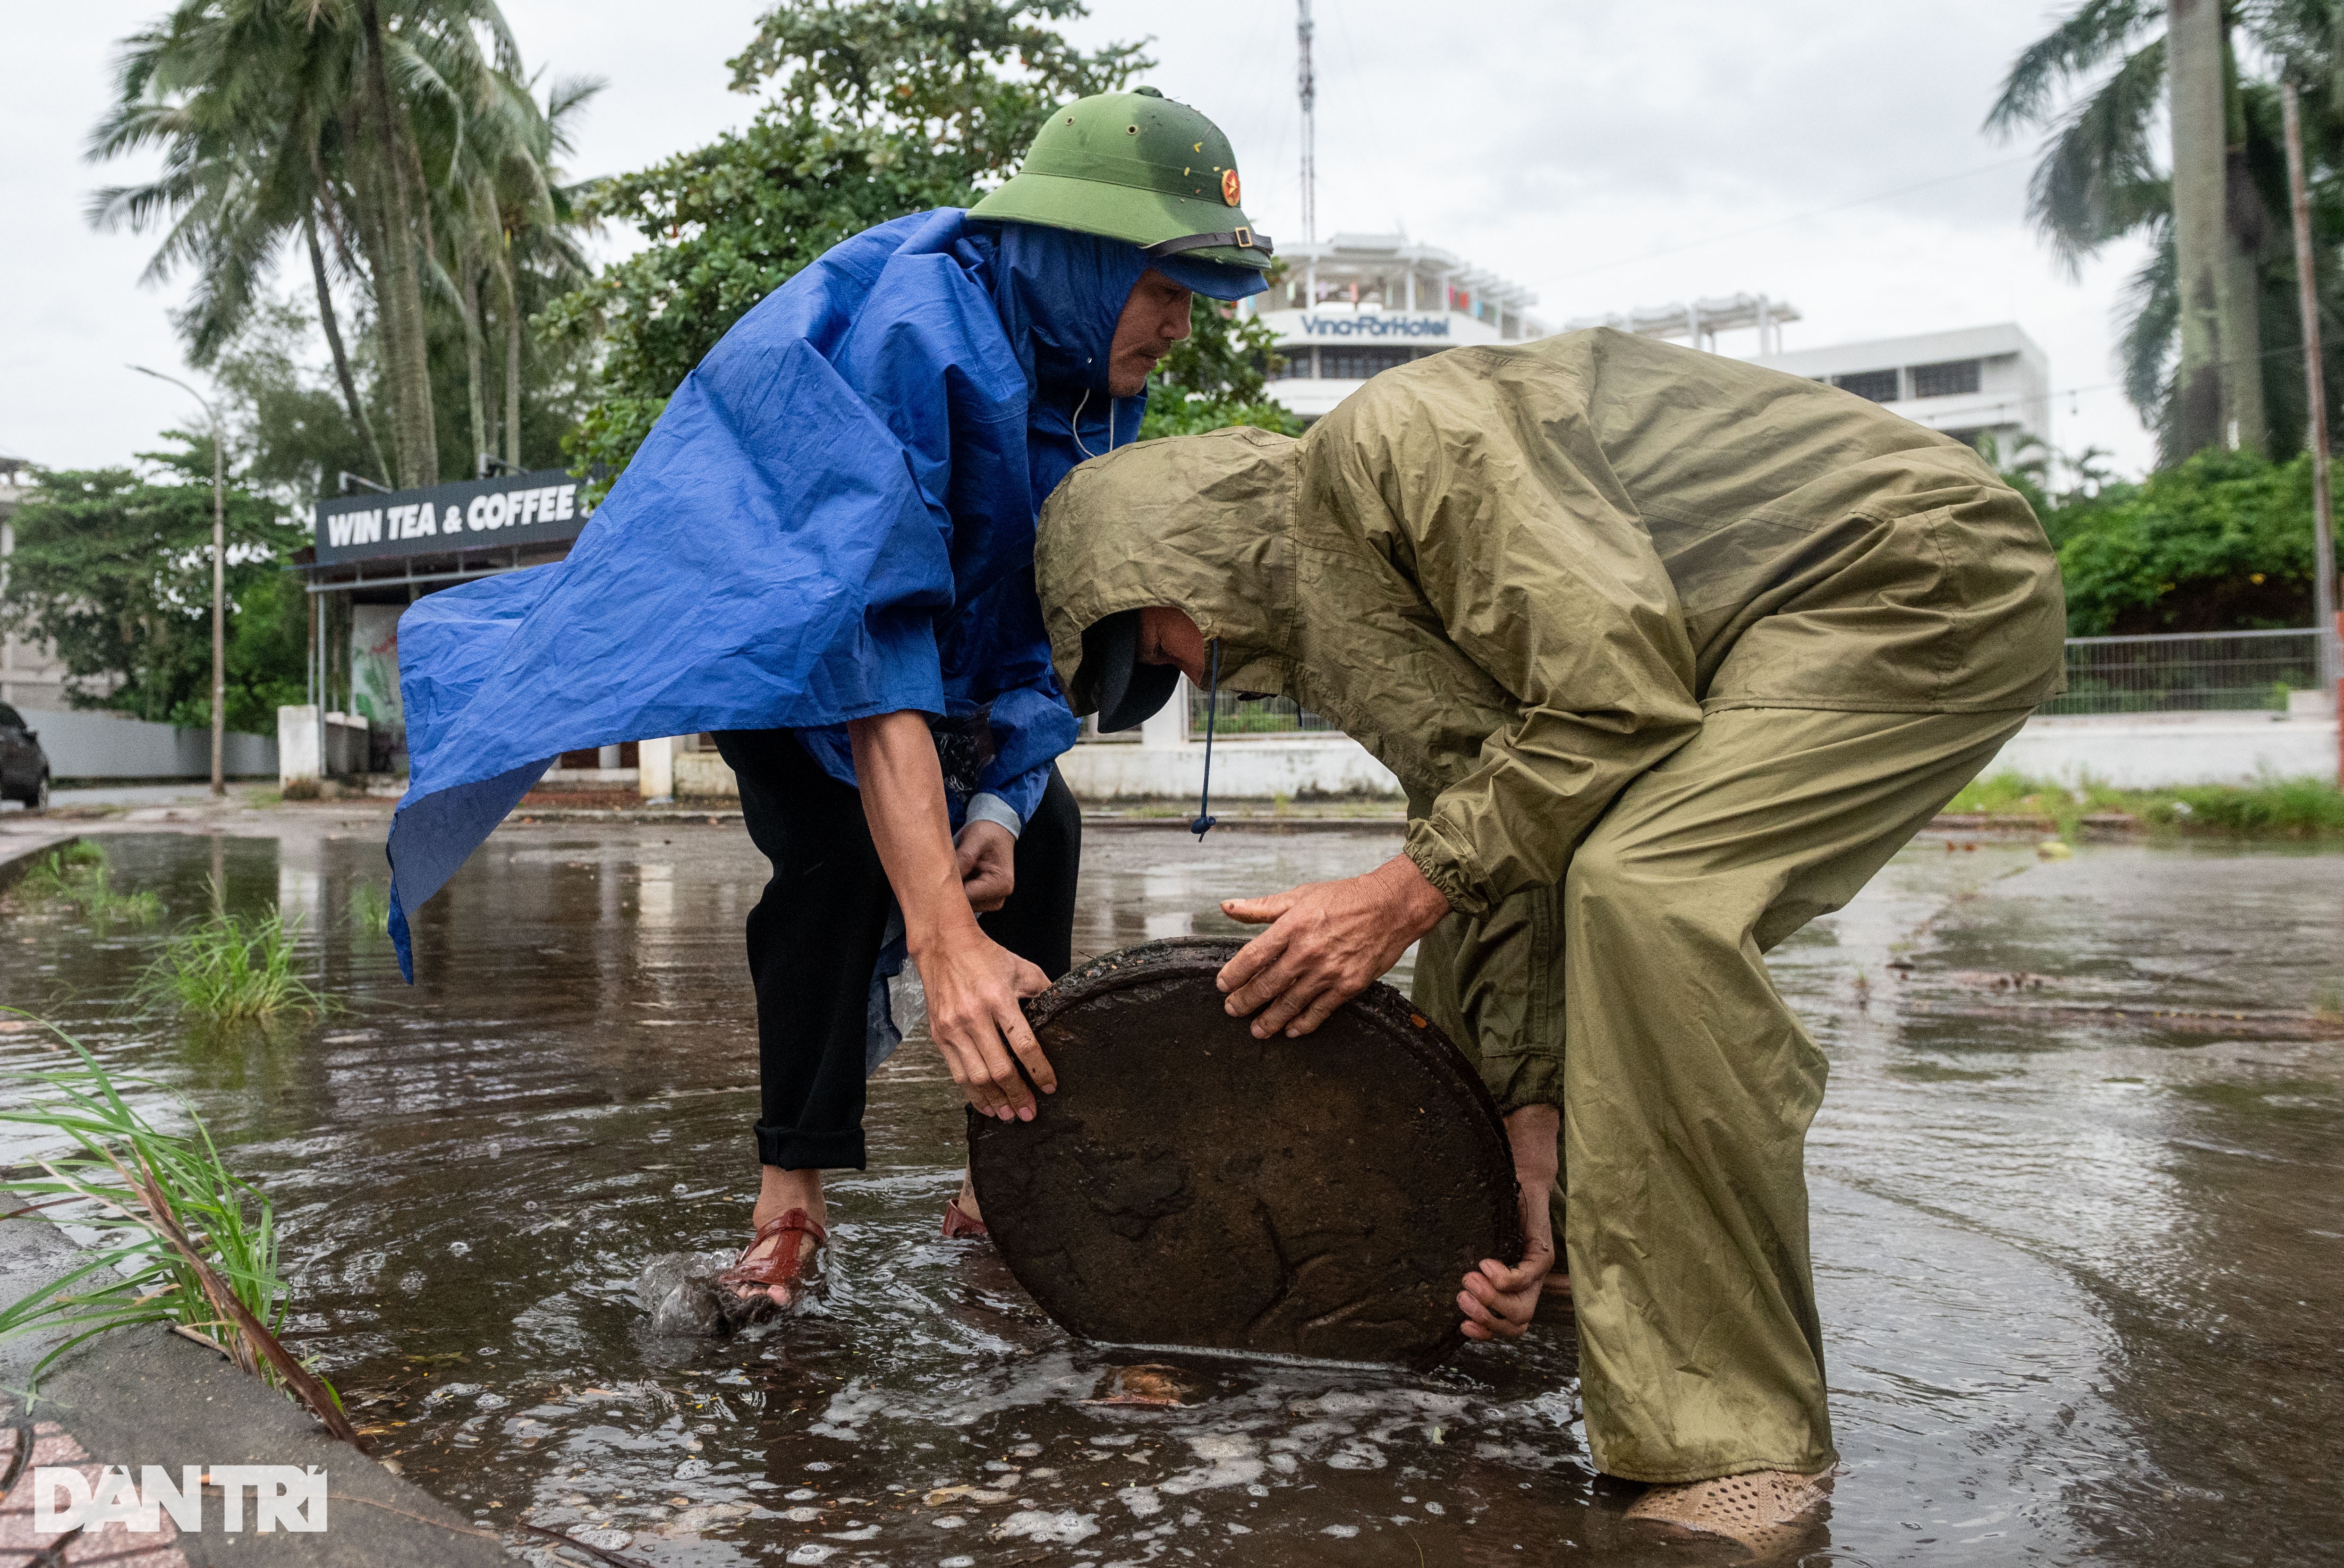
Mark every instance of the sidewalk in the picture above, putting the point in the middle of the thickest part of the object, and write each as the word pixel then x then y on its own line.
pixel 139 1397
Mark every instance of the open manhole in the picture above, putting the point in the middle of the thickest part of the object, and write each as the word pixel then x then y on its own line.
pixel 1191 1186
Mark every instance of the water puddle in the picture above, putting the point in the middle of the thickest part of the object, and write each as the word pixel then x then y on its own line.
pixel 2079 1256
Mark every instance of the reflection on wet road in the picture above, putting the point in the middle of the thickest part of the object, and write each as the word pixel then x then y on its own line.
pixel 2075 1182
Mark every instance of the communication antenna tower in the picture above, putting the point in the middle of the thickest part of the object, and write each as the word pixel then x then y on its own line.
pixel 1308 85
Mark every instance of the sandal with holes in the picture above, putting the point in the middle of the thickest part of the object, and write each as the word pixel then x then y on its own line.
pixel 783 1265
pixel 1757 1509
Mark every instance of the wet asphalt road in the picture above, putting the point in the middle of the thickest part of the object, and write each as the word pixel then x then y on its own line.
pixel 2077 1210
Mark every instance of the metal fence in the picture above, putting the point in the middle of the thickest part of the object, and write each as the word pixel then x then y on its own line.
pixel 2211 672
pixel 1267 716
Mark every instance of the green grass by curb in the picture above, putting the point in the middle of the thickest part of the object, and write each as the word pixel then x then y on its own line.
pixel 2301 808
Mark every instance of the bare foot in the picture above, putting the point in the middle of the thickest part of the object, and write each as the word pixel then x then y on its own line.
pixel 781 1191
pixel 967 1198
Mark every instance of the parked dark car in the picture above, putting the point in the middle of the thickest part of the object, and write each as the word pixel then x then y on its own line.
pixel 24 766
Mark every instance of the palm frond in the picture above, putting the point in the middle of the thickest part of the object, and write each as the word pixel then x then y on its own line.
pixel 2086 190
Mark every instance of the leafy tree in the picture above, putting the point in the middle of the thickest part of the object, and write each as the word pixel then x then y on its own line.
pixel 498 211
pixel 878 108
pixel 2220 543
pixel 114 567
pixel 1216 376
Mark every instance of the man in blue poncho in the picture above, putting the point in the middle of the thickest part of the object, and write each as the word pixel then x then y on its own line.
pixel 823 553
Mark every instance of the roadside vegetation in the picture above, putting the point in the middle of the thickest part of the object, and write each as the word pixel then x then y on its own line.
pixel 2302 808
pixel 230 969
pixel 79 875
pixel 183 1240
pixel 369 908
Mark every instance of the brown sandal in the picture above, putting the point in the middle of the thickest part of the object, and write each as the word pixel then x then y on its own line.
pixel 783 1265
pixel 959 1222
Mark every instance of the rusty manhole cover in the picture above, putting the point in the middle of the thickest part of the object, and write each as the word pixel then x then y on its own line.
pixel 1191 1186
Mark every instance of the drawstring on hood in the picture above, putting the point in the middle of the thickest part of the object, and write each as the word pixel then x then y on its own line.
pixel 1204 819
pixel 1077 424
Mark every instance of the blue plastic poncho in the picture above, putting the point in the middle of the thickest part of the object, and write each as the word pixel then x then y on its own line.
pixel 833 518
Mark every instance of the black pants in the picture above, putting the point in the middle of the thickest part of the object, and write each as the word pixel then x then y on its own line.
pixel 815 936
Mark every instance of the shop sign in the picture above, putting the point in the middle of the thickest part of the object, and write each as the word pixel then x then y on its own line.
pixel 471 514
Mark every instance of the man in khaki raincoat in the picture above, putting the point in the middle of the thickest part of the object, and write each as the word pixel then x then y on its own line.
pixel 1671 654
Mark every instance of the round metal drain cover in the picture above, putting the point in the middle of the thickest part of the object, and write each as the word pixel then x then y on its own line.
pixel 1191 1186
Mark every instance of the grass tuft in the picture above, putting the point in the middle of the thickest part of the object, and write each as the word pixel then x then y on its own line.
pixel 228 969
pixel 78 874
pixel 182 1239
pixel 135 1275
pixel 2269 808
pixel 369 908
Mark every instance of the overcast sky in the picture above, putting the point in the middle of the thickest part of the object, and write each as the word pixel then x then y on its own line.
pixel 1605 156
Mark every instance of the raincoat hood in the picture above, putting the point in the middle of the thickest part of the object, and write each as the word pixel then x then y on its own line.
pixel 1201 524
pixel 1059 295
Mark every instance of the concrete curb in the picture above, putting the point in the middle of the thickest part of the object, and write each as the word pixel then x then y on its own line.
pixel 19 847
pixel 138 1397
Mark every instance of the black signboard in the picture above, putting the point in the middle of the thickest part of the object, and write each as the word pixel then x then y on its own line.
pixel 471 514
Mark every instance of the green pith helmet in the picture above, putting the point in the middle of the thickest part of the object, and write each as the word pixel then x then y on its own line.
pixel 1136 167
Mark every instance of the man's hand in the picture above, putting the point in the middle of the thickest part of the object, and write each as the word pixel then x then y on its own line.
pixel 1326 942
pixel 973 985
pixel 987 859
pixel 1499 1300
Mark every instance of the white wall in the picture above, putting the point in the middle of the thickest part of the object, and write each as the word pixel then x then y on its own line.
pixel 94 745
pixel 1256 766
pixel 2156 751
pixel 2142 752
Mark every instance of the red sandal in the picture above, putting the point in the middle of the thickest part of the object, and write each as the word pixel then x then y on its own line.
pixel 783 1265
pixel 959 1222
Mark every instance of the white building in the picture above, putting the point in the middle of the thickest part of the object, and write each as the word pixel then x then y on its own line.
pixel 1700 321
pixel 1979 380
pixel 1361 303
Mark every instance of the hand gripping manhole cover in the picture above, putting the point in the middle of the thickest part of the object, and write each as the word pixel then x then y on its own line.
pixel 1191 1186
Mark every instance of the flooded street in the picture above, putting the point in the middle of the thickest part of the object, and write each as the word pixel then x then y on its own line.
pixel 2078 1193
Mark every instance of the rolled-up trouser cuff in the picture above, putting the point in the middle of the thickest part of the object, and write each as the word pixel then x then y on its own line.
pixel 790 1150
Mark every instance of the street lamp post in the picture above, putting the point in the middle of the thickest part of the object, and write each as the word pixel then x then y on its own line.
pixel 219 578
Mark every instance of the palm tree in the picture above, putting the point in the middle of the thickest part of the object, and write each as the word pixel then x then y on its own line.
pixel 195 87
pixel 488 149
pixel 541 217
pixel 278 116
pixel 2207 217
